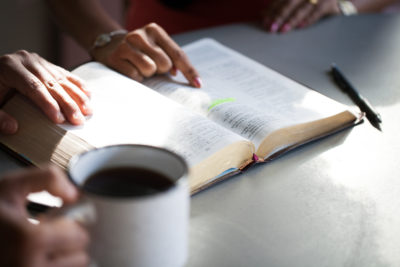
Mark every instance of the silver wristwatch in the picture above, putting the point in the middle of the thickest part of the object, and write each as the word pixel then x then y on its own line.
pixel 105 38
pixel 347 8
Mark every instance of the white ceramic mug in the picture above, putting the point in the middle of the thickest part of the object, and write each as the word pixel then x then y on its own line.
pixel 149 230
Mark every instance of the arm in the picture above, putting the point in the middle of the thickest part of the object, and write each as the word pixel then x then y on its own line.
pixel 286 15
pixel 84 20
pixel 57 92
pixel 52 242
pixel 369 6
pixel 138 54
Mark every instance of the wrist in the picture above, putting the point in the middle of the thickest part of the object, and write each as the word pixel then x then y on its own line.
pixel 105 39
pixel 347 8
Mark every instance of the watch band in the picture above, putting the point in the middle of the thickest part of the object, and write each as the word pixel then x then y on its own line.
pixel 105 38
pixel 347 8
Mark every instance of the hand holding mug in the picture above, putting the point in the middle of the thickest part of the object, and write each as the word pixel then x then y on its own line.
pixel 51 242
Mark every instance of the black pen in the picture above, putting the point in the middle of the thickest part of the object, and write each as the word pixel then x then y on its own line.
pixel 373 116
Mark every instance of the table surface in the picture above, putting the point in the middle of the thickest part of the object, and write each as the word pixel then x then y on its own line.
pixel 335 202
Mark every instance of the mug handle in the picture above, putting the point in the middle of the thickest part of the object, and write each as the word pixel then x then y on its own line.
pixel 82 212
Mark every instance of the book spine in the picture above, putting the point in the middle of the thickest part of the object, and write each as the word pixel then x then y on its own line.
pixel 255 159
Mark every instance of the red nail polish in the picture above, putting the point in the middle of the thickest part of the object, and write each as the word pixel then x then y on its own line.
pixel 286 28
pixel 174 71
pixel 302 24
pixel 197 82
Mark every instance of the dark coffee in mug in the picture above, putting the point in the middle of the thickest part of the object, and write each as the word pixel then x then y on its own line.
pixel 127 182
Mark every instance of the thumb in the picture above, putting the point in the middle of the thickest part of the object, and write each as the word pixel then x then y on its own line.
pixel 17 185
pixel 8 125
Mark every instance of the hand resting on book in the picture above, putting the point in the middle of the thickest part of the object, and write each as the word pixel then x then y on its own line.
pixel 59 94
pixel 145 52
pixel 138 53
pixel 52 242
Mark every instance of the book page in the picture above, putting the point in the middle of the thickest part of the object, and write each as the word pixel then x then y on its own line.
pixel 243 95
pixel 125 111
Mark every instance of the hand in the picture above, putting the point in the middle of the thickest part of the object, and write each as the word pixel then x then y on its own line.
pixel 50 243
pixel 58 93
pixel 145 52
pixel 286 15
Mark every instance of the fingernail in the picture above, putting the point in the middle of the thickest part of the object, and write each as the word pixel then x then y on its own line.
pixel 174 71
pixel 197 82
pixel 87 108
pixel 87 92
pixel 9 127
pixel 60 117
pixel 78 118
pixel 274 27
pixel 286 28
pixel 302 24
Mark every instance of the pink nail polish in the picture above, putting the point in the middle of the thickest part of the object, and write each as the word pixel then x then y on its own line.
pixel 197 82
pixel 274 27
pixel 286 28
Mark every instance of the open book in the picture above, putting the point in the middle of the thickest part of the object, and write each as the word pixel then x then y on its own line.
pixel 245 113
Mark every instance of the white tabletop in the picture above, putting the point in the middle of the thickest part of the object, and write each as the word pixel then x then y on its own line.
pixel 335 202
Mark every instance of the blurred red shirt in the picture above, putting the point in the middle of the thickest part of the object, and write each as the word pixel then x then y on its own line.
pixel 196 15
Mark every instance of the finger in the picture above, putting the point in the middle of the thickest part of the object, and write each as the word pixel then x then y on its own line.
pixel 18 76
pixel 272 20
pixel 18 184
pixel 8 125
pixel 146 66
pixel 298 17
pixel 143 41
pixel 285 13
pixel 71 84
pixel 315 15
pixel 270 11
pixel 73 89
pixel 78 96
pixel 178 57
pixel 273 6
pixel 62 236
pixel 68 106
pixel 174 71
pixel 63 73
pixel 80 259
pixel 126 68
pixel 35 90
